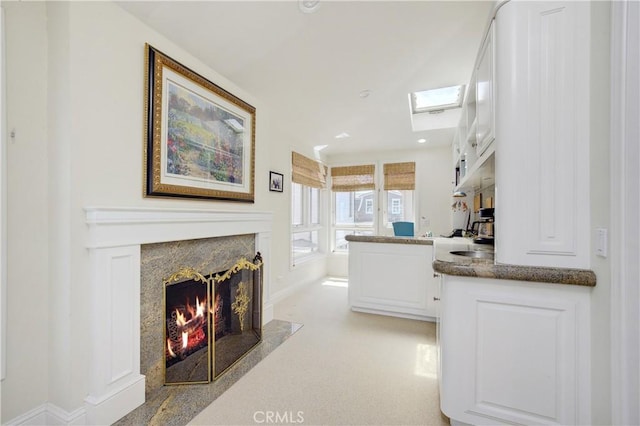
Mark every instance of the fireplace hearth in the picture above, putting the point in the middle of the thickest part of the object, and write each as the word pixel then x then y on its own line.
pixel 210 322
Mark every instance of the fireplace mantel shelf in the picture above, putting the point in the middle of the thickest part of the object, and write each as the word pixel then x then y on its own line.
pixel 118 226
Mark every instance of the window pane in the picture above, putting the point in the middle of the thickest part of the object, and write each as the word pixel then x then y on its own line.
pixel 314 205
pixel 341 242
pixel 296 204
pixel 304 243
pixel 354 208
pixel 399 206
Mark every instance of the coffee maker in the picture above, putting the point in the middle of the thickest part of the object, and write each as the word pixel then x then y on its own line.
pixel 483 230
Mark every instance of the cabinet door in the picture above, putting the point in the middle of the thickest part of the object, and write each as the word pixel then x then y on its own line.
pixel 485 94
pixel 514 352
pixel 542 134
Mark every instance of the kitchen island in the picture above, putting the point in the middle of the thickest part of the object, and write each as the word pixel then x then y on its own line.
pixel 392 276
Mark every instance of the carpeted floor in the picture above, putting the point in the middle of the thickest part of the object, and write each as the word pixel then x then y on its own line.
pixel 340 368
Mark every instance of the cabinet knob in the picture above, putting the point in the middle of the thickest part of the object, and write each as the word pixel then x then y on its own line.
pixel 436 298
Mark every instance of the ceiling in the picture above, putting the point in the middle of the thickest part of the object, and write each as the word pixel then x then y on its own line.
pixel 310 68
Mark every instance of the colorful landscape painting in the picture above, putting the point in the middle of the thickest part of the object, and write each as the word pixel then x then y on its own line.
pixel 204 141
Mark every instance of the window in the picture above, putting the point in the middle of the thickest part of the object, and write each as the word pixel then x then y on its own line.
pixel 369 206
pixel 396 206
pixel 437 99
pixel 308 181
pixel 399 185
pixel 360 209
pixel 305 214
pixel 354 203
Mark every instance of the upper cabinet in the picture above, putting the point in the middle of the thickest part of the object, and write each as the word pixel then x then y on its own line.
pixel 485 93
pixel 542 133
pixel 475 133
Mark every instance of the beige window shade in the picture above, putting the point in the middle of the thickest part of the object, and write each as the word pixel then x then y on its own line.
pixel 306 171
pixel 352 178
pixel 399 176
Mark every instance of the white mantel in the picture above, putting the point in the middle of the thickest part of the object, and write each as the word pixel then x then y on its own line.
pixel 114 239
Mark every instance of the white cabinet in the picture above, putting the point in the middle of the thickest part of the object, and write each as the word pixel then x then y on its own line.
pixel 485 93
pixel 542 133
pixel 475 132
pixel 514 352
pixel 392 279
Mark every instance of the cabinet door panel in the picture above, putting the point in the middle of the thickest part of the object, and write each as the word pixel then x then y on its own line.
pixel 514 352
pixel 542 133
pixel 485 94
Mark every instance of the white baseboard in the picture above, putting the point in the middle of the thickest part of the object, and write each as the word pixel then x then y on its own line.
pixel 393 314
pixel 267 313
pixel 290 290
pixel 107 409
pixel 50 414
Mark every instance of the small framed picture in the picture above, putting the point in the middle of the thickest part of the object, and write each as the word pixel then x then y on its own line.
pixel 276 182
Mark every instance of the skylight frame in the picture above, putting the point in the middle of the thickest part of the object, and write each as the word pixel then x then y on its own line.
pixel 456 103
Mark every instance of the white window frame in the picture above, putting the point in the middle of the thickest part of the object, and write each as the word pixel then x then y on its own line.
pixel 307 225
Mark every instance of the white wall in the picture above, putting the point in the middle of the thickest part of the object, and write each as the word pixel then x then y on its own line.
pixel 25 385
pixel 75 76
pixel 600 211
pixel 434 169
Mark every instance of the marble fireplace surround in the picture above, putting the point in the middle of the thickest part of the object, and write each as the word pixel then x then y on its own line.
pixel 114 242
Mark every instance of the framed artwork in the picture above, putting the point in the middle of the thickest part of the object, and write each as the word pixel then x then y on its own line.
pixel 276 182
pixel 200 139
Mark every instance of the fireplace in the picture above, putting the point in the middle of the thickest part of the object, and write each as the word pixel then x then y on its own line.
pixel 129 253
pixel 210 322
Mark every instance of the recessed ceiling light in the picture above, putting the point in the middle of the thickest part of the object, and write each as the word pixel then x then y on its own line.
pixel 343 135
pixel 365 93
pixel 308 6
pixel 422 140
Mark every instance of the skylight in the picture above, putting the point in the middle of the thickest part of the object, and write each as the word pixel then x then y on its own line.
pixel 437 99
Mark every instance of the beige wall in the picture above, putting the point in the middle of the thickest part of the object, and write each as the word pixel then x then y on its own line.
pixel 75 74
pixel 600 211
pixel 25 385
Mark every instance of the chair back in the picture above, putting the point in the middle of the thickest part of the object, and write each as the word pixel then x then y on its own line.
pixel 403 229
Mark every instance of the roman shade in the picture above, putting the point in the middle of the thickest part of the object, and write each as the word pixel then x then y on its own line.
pixel 353 178
pixel 399 176
pixel 306 171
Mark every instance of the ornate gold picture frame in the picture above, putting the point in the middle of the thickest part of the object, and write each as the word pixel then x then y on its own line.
pixel 200 139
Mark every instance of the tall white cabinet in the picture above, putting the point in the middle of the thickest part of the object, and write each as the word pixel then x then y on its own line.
pixel 542 133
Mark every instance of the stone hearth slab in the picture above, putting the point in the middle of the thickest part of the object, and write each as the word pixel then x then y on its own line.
pixel 177 405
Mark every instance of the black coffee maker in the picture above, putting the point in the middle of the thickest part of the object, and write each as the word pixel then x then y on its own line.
pixel 483 230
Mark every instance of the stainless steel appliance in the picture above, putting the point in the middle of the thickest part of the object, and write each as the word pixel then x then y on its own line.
pixel 484 228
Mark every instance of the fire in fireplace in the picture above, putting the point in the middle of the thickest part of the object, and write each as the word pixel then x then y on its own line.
pixel 211 322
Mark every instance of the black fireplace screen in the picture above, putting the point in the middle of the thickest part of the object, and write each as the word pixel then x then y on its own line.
pixel 211 322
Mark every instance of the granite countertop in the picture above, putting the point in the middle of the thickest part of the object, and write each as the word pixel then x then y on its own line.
pixel 451 264
pixel 392 240
pixel 446 263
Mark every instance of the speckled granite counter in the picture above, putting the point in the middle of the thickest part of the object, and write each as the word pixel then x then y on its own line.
pixel 390 240
pixel 450 264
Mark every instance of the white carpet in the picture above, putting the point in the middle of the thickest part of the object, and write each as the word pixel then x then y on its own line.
pixel 341 368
